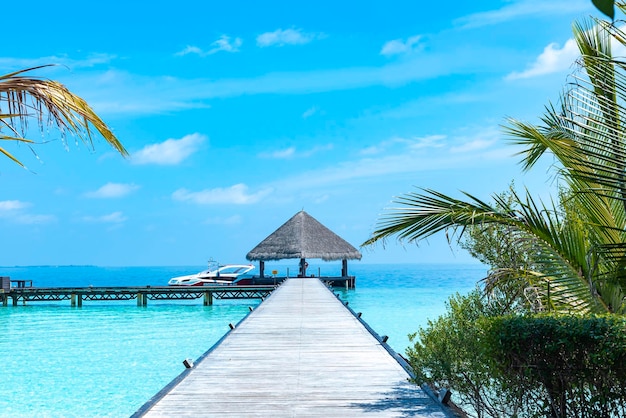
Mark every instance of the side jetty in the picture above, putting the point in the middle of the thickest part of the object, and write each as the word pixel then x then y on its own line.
pixel 300 353
pixel 76 295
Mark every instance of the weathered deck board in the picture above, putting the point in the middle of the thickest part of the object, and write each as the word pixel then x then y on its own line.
pixel 301 353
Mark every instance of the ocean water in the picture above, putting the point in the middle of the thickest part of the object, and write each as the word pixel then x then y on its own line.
pixel 107 359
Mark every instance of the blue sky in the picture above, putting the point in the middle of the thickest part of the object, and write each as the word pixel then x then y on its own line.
pixel 237 115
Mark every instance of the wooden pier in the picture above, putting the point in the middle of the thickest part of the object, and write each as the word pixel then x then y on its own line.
pixel 301 353
pixel 76 295
pixel 347 282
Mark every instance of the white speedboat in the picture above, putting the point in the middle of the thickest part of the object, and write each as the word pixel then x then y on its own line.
pixel 229 274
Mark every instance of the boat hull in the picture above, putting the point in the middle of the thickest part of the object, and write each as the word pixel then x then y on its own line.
pixel 230 274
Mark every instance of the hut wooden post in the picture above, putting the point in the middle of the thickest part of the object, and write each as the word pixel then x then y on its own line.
pixel 344 268
pixel 261 269
pixel 302 267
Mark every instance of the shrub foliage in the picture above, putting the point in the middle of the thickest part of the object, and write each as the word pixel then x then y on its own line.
pixel 542 365
pixel 570 365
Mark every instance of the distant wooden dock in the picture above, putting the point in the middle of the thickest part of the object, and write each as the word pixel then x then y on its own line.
pixel 76 295
pixel 301 353
pixel 347 282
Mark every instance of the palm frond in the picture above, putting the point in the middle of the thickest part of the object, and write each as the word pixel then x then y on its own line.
pixel 49 102
pixel 422 215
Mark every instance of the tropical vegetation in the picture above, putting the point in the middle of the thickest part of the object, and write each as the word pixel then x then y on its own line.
pixel 578 244
pixel 544 334
pixel 510 365
pixel 24 97
pixel 605 6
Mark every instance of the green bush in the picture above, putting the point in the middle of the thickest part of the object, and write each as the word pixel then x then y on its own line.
pixel 448 354
pixel 568 365
pixel 523 365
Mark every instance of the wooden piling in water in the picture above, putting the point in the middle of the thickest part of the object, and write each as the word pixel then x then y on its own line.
pixel 208 299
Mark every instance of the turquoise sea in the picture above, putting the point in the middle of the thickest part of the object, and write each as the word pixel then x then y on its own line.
pixel 107 359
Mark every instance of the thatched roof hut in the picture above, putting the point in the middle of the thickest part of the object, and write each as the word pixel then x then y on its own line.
pixel 303 237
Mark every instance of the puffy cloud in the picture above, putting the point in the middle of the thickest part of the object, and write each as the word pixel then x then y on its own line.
pixel 10 205
pixel 224 43
pixel 553 59
pixel 400 46
pixel 112 190
pixel 237 194
pixel 11 210
pixel 169 152
pixel 282 37
pixel 291 152
pixel 190 49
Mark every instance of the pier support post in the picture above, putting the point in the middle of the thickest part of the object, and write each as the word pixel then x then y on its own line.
pixel 15 300
pixel 142 299
pixel 76 299
pixel 208 298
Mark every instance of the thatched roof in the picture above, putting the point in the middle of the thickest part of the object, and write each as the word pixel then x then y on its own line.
pixel 303 236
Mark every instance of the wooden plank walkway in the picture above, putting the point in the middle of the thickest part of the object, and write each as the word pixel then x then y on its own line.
pixel 301 353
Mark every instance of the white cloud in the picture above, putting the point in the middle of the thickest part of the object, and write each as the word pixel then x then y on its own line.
pixel 475 145
pixel 11 210
pixel 169 94
pixel 11 205
pixel 224 43
pixel 237 194
pixel 169 152
pixel 553 59
pixel 523 8
pixel 291 152
pixel 280 154
pixel 429 141
pixel 112 190
pixel 190 49
pixel 281 37
pixel 310 112
pixel 113 218
pixel 401 156
pixel 400 46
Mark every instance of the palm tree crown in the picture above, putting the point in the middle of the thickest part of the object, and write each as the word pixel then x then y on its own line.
pixel 578 245
pixel 49 102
